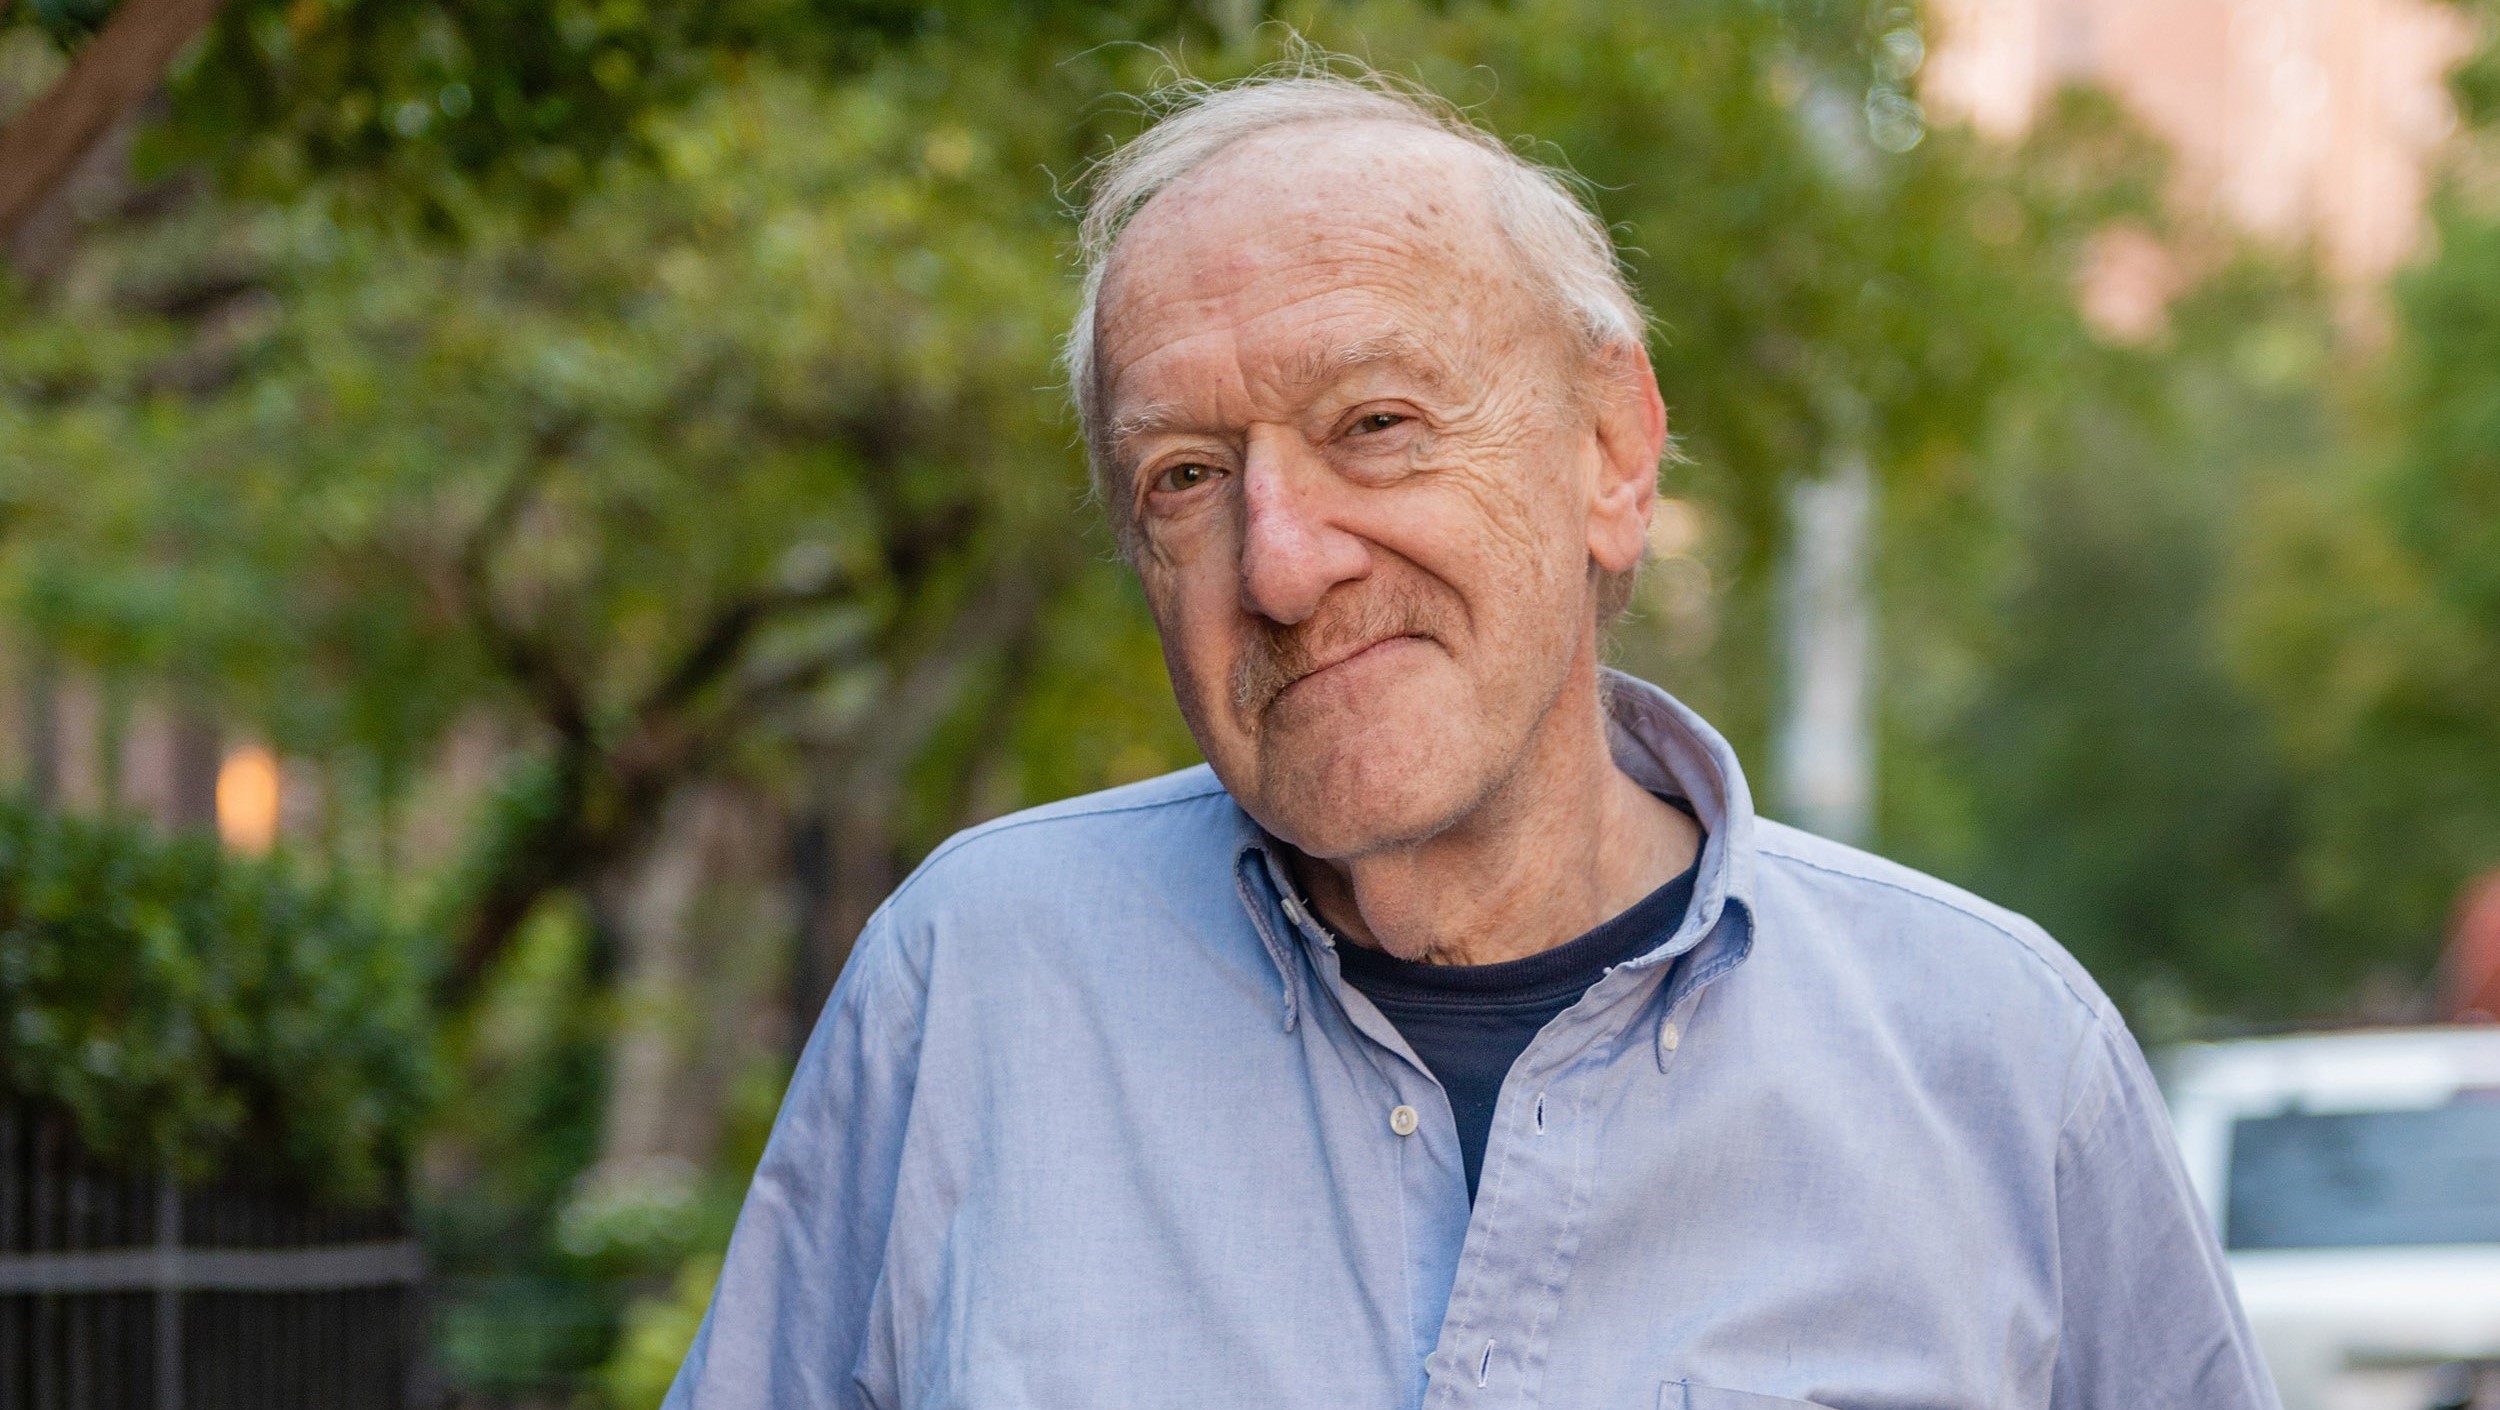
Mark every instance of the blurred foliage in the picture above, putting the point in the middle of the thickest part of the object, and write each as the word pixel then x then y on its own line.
pixel 2369 601
pixel 530 1055
pixel 433 114
pixel 200 1013
pixel 706 465
pixel 2475 81
pixel 741 461
pixel 68 22
pixel 656 1334
pixel 2065 732
pixel 541 1270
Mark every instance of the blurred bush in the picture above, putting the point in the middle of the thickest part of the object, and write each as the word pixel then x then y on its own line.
pixel 656 1335
pixel 203 1013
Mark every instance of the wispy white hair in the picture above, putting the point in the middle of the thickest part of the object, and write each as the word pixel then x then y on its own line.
pixel 1566 257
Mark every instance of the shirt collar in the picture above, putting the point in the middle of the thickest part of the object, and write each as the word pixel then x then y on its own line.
pixel 1664 747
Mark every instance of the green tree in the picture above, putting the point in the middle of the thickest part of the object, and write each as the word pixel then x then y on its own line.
pixel 740 466
pixel 713 461
pixel 434 112
pixel 2372 611
pixel 2069 736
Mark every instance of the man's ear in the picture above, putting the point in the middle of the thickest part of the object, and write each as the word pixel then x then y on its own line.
pixel 1631 436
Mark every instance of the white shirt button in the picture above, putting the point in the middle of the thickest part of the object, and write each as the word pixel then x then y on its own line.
pixel 1402 1120
pixel 1293 910
pixel 1669 1036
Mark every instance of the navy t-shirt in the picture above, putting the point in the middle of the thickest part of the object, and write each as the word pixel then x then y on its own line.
pixel 1469 1023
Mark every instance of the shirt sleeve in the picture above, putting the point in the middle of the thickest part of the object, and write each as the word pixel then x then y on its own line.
pixel 2150 1316
pixel 791 1313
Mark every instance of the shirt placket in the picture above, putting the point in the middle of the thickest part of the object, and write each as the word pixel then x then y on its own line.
pixel 1531 1210
pixel 1516 1246
pixel 1413 1115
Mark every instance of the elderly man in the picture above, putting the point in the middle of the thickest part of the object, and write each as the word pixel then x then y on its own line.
pixel 1457 1036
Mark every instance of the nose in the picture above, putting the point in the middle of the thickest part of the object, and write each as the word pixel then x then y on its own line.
pixel 1293 548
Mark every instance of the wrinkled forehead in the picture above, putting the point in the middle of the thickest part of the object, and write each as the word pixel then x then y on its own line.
pixel 1426 190
pixel 1315 235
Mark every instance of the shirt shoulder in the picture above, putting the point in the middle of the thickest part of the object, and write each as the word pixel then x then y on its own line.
pixel 1074 875
pixel 1896 902
pixel 1188 809
pixel 1967 983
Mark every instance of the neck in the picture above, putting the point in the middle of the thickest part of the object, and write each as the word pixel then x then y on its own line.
pixel 1566 843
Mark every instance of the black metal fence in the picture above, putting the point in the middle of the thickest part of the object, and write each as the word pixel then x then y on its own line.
pixel 127 1292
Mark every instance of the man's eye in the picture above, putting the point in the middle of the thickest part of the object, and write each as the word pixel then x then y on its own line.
pixel 1186 477
pixel 1377 421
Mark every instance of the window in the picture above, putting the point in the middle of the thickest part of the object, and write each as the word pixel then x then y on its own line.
pixel 2358 1179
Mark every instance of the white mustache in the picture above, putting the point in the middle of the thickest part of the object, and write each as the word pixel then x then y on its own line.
pixel 1278 656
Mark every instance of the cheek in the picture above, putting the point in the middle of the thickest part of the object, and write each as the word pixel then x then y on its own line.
pixel 1515 510
pixel 1196 621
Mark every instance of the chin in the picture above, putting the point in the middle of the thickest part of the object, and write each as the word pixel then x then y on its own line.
pixel 1363 790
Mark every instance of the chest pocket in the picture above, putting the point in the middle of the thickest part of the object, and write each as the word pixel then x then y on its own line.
pixel 1684 1395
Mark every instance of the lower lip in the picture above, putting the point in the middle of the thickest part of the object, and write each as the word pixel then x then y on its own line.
pixel 1374 651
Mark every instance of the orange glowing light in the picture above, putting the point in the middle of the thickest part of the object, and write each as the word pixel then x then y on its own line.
pixel 247 799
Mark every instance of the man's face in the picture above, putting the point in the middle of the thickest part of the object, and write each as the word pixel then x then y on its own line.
pixel 1368 479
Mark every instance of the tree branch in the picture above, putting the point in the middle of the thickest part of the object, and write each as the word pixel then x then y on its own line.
pixel 715 651
pixel 110 77
pixel 920 695
pixel 547 851
pixel 521 653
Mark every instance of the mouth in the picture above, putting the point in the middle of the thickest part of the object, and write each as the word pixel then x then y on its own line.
pixel 1350 657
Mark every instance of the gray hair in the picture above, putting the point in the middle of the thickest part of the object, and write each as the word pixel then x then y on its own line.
pixel 1562 245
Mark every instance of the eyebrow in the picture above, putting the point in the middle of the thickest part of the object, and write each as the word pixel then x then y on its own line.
pixel 1322 361
pixel 1159 416
pixel 1319 362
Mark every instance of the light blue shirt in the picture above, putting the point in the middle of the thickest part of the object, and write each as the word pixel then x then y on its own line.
pixel 1092 1122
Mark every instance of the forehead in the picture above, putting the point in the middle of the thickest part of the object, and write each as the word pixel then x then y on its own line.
pixel 1295 251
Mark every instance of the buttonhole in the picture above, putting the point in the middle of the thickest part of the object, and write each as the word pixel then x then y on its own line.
pixel 1540 1113
pixel 1484 1368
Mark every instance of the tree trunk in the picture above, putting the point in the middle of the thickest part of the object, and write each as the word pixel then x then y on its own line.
pixel 851 831
pixel 1827 730
pixel 110 78
pixel 40 735
pixel 198 753
pixel 846 867
pixel 700 920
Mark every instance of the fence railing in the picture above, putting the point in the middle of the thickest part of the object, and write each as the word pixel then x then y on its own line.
pixel 129 1292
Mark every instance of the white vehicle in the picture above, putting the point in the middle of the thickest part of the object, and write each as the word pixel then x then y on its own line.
pixel 2355 1180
